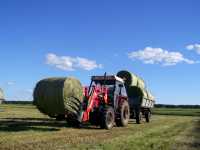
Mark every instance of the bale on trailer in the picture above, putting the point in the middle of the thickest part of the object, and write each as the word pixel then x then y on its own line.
pixel 58 96
pixel 1 96
pixel 150 96
pixel 136 95
pixel 131 79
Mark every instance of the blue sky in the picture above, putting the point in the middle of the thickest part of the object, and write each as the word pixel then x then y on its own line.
pixel 158 40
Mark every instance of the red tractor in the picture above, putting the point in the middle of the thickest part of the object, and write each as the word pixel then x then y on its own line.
pixel 105 102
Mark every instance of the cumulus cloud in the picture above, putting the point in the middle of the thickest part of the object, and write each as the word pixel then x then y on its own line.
pixel 151 55
pixel 71 63
pixel 194 47
pixel 10 83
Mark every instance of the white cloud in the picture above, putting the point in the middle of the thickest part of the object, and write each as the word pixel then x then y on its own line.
pixel 10 83
pixel 195 47
pixel 71 63
pixel 151 55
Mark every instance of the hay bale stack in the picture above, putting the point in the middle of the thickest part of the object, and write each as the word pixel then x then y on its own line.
pixel 58 96
pixel 131 79
pixel 135 87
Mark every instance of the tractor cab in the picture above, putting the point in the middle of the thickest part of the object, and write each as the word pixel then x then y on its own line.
pixel 110 87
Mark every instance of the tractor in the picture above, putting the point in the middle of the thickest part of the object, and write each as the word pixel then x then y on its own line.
pixel 105 102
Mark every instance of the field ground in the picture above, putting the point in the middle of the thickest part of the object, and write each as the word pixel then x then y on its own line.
pixel 23 127
pixel 177 111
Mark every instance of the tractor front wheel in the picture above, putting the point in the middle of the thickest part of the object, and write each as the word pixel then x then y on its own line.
pixel 107 118
pixel 124 115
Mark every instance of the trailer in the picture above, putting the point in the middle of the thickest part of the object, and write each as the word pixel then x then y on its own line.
pixel 141 107
pixel 141 101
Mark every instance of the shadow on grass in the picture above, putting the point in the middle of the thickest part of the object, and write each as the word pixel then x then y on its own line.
pixel 35 124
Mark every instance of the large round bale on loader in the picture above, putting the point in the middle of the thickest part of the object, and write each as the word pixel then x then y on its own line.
pixel 131 79
pixel 58 96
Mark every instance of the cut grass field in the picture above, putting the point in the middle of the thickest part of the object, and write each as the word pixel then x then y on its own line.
pixel 23 127
pixel 177 111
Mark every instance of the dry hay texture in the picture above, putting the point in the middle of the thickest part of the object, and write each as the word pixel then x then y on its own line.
pixel 57 96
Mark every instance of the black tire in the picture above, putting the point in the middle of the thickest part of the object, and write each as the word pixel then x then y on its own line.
pixel 73 105
pixel 60 117
pixel 107 118
pixel 72 121
pixel 138 117
pixel 124 115
pixel 147 116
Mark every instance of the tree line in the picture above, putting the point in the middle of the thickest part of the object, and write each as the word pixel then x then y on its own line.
pixel 176 106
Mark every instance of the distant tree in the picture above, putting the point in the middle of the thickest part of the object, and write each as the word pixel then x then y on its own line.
pixel 176 106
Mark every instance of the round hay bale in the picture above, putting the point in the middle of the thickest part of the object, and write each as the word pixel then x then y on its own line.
pixel 131 79
pixel 57 96
pixel 134 92
pixel 140 83
pixel 136 95
pixel 150 96
pixel 145 93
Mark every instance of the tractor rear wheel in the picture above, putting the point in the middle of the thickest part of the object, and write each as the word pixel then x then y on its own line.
pixel 107 118
pixel 124 115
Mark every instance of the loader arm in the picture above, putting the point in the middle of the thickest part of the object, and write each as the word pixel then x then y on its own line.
pixel 87 106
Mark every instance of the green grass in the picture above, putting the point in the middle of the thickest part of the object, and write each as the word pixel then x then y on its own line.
pixel 23 127
pixel 177 111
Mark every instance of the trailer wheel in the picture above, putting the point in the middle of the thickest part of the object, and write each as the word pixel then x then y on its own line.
pixel 124 115
pixel 107 118
pixel 138 117
pixel 147 116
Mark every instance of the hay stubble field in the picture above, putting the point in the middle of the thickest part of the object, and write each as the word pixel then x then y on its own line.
pixel 23 127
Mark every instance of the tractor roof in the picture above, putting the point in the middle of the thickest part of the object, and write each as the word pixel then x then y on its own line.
pixel 107 78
